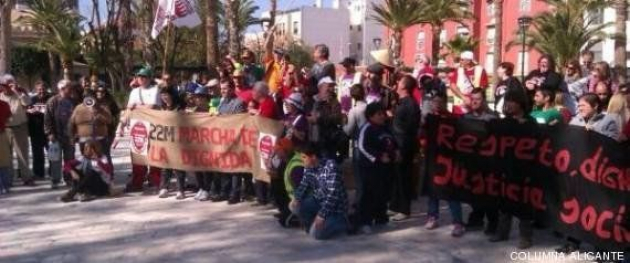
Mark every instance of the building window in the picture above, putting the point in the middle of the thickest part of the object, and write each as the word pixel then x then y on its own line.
pixel 490 36
pixel 350 27
pixel 490 9
pixel 524 5
pixel 489 65
pixel 295 28
pixel 443 37
pixel 359 28
pixel 463 31
pixel 420 42
pixel 597 16
pixel 359 46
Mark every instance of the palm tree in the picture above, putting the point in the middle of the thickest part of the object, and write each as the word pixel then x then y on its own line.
pixel 397 15
pixel 497 56
pixel 5 35
pixel 246 18
pixel 459 44
pixel 565 31
pixel 59 26
pixel 232 22
pixel 436 13
pixel 621 15
pixel 212 32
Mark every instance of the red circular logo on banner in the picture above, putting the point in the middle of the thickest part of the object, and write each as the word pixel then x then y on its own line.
pixel 138 136
pixel 266 145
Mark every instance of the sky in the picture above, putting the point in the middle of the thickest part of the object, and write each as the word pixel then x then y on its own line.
pixel 85 7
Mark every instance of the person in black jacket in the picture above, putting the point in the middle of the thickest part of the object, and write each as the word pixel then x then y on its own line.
pixel 35 113
pixel 405 124
pixel 377 150
pixel 544 77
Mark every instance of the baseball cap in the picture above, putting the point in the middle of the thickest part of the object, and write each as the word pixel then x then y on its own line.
pixel 295 99
pixel 325 80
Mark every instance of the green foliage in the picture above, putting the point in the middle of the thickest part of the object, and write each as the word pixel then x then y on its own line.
pixel 29 62
pixel 301 55
pixel 459 44
pixel 397 15
pixel 566 30
pixel 59 25
pixel 438 12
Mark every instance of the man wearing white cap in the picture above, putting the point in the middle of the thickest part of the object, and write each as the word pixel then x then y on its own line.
pixel 17 126
pixel 325 117
pixel 467 77
pixel 56 120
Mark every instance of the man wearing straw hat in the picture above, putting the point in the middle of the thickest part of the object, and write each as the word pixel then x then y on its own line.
pixel 467 77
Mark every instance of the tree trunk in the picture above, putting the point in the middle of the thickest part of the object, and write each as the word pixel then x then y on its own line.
pixel 147 23
pixel 126 39
pixel 435 44
pixel 232 28
pixel 621 14
pixel 272 12
pixel 67 69
pixel 498 34
pixel 212 35
pixel 5 36
pixel 396 47
pixel 52 64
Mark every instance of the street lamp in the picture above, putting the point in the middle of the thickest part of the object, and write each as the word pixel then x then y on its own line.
pixel 523 23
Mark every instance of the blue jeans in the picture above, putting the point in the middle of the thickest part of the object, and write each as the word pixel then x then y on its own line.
pixel 334 224
pixel 5 180
pixel 453 206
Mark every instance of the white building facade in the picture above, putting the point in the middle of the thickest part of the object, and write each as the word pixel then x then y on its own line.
pixel 605 51
pixel 346 28
pixel 312 25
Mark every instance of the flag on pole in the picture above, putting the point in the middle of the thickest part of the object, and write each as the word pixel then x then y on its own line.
pixel 181 13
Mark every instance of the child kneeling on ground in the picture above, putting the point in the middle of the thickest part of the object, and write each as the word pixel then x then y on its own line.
pixel 91 175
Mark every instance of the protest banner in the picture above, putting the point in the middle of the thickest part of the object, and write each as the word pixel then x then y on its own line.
pixel 199 142
pixel 577 181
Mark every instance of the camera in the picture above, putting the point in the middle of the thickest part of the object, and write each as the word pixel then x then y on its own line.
pixel 89 102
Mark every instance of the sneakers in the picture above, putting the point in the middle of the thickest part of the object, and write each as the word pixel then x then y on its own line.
pixel 163 193
pixel 399 217
pixel 84 198
pixel 525 243
pixel 180 196
pixel 567 248
pixel 204 196
pixel 66 198
pixel 458 230
pixel 198 194
pixel 29 183
pixel 497 238
pixel 365 230
pixel 54 186
pixel 431 223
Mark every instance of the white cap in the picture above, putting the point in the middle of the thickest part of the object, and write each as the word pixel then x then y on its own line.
pixel 212 83
pixel 6 78
pixel 325 80
pixel 63 84
pixel 468 55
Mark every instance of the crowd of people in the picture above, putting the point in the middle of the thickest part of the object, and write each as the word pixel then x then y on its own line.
pixel 374 119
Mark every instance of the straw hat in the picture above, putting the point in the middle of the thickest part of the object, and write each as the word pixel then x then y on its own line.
pixel 382 56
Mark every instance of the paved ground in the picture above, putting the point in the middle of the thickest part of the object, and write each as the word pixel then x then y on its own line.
pixel 35 227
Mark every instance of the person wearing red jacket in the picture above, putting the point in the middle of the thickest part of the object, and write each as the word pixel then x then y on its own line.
pixel 5 157
pixel 91 175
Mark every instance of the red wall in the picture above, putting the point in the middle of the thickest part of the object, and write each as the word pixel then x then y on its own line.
pixel 478 29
